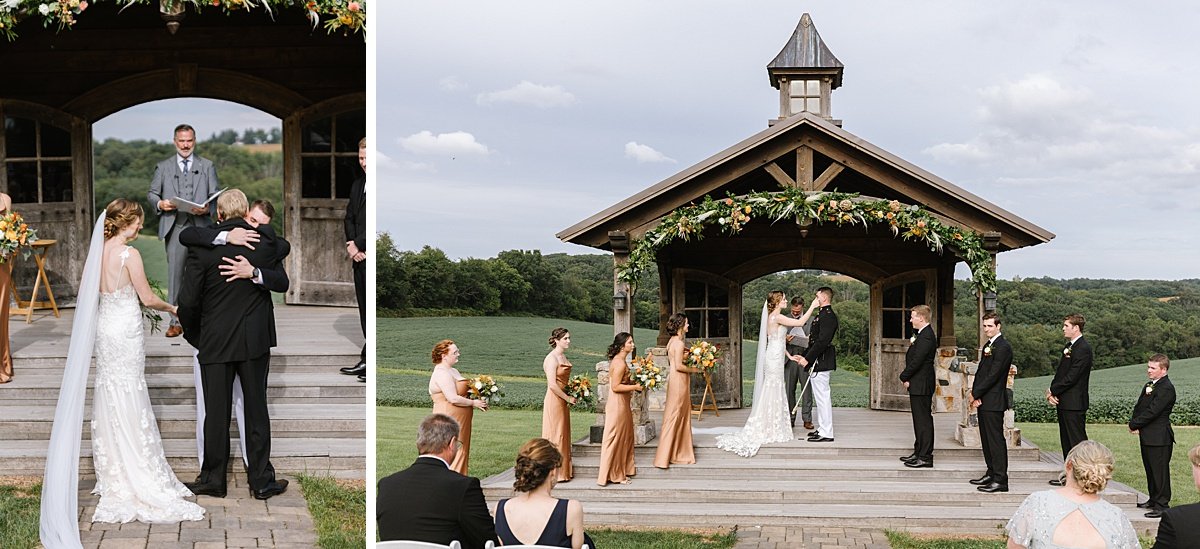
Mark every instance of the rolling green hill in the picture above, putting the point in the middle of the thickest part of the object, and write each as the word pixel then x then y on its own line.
pixel 1113 392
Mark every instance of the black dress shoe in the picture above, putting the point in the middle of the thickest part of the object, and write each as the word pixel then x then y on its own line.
pixel 206 489
pixel 357 369
pixel 909 457
pixel 1145 505
pixel 919 464
pixel 273 489
pixel 985 480
pixel 362 378
pixel 1060 481
pixel 1155 513
pixel 821 439
pixel 993 488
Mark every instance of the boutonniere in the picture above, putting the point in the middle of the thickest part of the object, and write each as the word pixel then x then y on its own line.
pixel 1067 352
pixel 1149 389
pixel 913 339
pixel 987 350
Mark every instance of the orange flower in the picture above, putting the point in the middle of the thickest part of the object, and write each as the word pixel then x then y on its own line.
pixel 728 201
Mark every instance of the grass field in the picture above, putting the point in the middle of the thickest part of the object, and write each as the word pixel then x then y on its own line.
pixel 1113 392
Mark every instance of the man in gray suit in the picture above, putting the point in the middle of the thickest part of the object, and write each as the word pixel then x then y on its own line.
pixel 187 176
pixel 797 344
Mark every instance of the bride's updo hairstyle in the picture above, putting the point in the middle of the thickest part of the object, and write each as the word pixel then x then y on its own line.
pixel 441 349
pixel 675 323
pixel 1091 465
pixel 618 343
pixel 773 300
pixel 121 213
pixel 557 334
pixel 535 461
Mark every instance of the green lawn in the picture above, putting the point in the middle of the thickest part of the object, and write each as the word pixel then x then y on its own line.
pixel 338 509
pixel 1113 392
pixel 20 505
pixel 154 257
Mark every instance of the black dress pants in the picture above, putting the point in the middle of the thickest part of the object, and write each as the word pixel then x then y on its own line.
pixel 217 380
pixel 995 451
pixel 922 416
pixel 1072 429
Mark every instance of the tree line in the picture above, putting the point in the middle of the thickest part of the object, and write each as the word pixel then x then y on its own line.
pixel 1126 320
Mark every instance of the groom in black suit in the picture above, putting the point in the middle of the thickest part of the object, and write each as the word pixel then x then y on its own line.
pixel 919 378
pixel 1151 422
pixel 1068 392
pixel 988 397
pixel 232 325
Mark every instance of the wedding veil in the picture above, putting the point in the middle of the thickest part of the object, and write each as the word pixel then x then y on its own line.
pixel 60 484
pixel 760 357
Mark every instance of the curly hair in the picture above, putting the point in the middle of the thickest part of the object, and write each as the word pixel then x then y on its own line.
pixel 773 299
pixel 557 334
pixel 535 461
pixel 1092 466
pixel 676 323
pixel 618 343
pixel 119 214
pixel 440 350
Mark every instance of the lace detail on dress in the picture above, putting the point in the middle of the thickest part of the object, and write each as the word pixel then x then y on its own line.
pixel 133 479
pixel 1037 518
pixel 769 420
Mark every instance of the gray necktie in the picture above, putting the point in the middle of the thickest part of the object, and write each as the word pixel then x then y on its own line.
pixel 186 161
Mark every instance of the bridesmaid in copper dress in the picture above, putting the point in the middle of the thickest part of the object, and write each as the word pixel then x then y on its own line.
pixel 556 407
pixel 616 452
pixel 448 388
pixel 675 440
pixel 6 366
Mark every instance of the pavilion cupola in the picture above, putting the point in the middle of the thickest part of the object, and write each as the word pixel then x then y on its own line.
pixel 805 72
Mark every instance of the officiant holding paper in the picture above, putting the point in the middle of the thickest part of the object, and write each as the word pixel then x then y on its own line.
pixel 191 178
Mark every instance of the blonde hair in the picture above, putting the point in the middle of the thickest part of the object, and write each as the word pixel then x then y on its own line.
pixel 924 312
pixel 1194 455
pixel 1092 466
pixel 773 300
pixel 119 214
pixel 231 204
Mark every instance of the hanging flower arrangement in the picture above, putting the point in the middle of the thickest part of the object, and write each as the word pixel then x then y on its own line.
pixel 335 15
pixel 732 213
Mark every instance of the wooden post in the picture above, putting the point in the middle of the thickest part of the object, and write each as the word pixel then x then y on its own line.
pixel 991 243
pixel 622 319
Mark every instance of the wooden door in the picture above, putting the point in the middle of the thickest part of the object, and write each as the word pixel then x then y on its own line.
pixel 713 305
pixel 891 301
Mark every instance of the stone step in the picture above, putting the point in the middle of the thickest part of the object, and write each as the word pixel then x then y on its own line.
pixel 182 362
pixel 179 388
pixel 862 468
pixel 338 457
pixel 288 420
pixel 706 448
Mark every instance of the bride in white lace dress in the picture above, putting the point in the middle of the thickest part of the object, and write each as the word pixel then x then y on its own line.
pixel 769 419
pixel 133 479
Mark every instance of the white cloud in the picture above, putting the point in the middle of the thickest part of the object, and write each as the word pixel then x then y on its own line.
pixel 645 153
pixel 451 84
pixel 528 93
pixel 444 144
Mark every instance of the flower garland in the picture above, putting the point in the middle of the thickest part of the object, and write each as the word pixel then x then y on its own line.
pixel 730 214
pixel 349 16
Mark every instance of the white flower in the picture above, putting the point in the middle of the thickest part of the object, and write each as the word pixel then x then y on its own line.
pixel 479 385
pixel 1149 389
pixel 44 9
pixel 913 339
pixel 587 393
pixel 9 5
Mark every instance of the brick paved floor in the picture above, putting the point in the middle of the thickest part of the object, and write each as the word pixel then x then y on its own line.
pixel 781 537
pixel 237 520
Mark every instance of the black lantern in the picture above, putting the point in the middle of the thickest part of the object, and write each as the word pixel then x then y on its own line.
pixel 619 301
pixel 989 301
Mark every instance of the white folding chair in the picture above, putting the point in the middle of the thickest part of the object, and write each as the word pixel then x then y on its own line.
pixel 585 546
pixel 408 544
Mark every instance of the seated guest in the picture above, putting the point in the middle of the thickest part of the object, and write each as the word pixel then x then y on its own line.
pixel 534 517
pixel 429 502
pixel 1173 529
pixel 1074 515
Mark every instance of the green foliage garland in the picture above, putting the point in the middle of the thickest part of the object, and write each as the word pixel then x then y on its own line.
pixel 349 16
pixel 730 214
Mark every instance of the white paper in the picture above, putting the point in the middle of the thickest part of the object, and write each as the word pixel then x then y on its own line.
pixel 183 203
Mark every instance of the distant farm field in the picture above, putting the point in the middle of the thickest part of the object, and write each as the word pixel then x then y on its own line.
pixel 1113 392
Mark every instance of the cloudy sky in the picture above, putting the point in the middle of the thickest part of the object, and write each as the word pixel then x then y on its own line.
pixel 155 120
pixel 502 123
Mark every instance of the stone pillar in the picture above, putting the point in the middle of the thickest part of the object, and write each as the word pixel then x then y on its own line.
pixel 948 393
pixel 644 429
pixel 657 400
pixel 967 430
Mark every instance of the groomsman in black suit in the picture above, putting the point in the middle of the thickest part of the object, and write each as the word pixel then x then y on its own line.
pixel 919 378
pixel 428 501
pixel 356 249
pixel 821 358
pixel 987 396
pixel 1171 531
pixel 1068 392
pixel 1152 424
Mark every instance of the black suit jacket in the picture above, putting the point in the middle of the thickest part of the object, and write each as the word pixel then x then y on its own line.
pixel 429 502
pixel 1174 531
pixel 356 214
pixel 918 363
pixel 991 379
pixel 274 276
pixel 227 321
pixel 820 341
pixel 1152 414
pixel 1071 379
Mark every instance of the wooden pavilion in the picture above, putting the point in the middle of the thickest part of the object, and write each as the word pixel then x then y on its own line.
pixel 57 84
pixel 804 147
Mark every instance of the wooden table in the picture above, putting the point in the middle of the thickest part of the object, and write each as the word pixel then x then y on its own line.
pixel 39 250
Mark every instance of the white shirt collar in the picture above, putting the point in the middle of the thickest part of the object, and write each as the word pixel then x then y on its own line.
pixel 434 457
pixel 179 161
pixel 993 340
pixel 1076 339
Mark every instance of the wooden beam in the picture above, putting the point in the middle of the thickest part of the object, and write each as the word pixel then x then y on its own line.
pixel 780 176
pixel 827 176
pixel 804 167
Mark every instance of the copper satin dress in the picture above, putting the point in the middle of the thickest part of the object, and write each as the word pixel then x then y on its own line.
pixel 6 284
pixel 556 421
pixel 616 451
pixel 461 414
pixel 675 440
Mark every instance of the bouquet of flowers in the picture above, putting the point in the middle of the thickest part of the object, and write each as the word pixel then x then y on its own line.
pixel 703 356
pixel 646 373
pixel 14 235
pixel 484 388
pixel 580 388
